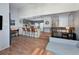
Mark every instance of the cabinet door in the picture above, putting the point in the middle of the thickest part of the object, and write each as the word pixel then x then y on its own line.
pixel 71 20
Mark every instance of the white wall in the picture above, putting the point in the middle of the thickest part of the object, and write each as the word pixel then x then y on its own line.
pixel 4 33
pixel 47 18
pixel 14 16
pixel 47 27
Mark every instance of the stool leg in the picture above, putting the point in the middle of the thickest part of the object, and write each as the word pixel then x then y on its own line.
pixel 29 34
pixel 25 32
pixel 34 34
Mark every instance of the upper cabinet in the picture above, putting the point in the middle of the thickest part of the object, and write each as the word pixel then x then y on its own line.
pixel 71 19
pixel 63 20
pixel 55 21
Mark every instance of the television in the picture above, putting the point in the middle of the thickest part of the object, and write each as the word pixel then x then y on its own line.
pixel 1 22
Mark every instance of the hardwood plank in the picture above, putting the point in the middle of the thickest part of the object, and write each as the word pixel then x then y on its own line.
pixel 23 45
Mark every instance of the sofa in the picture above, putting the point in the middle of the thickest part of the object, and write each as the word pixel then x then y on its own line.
pixel 62 46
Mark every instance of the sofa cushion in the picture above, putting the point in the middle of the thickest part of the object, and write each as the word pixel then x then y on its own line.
pixel 62 49
pixel 63 41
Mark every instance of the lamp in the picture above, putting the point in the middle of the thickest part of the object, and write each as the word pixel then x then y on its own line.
pixel 67 28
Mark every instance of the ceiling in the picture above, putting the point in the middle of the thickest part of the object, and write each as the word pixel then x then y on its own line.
pixel 22 5
pixel 34 9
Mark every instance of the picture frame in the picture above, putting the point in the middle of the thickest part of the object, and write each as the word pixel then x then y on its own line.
pixel 12 22
pixel 47 22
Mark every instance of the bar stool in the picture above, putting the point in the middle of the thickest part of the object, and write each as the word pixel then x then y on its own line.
pixel 28 32
pixel 34 32
pixel 24 31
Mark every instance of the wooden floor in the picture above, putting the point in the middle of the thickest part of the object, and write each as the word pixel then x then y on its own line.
pixel 23 45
